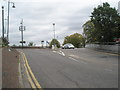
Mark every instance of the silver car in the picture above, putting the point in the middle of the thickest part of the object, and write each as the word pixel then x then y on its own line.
pixel 68 46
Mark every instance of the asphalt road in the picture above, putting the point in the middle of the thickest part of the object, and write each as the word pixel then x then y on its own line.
pixel 78 68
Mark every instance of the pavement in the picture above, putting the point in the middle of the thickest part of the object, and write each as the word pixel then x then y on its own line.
pixel 10 72
pixel 78 68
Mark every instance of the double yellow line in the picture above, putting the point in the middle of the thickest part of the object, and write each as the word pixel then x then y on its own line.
pixel 33 81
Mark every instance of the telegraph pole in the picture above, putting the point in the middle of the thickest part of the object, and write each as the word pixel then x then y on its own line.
pixel 3 22
pixel 22 28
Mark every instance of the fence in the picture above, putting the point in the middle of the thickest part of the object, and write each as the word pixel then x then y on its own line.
pixel 107 46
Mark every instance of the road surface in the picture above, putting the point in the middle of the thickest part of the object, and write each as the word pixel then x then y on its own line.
pixel 75 68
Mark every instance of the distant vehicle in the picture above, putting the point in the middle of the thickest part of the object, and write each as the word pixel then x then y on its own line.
pixel 68 46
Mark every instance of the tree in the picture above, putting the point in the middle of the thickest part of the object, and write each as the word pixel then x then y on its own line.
pixel 56 42
pixel 106 21
pixel 14 45
pixel 5 42
pixel 30 44
pixel 89 32
pixel 76 39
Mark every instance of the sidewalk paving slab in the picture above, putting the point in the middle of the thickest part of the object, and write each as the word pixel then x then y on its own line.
pixel 10 74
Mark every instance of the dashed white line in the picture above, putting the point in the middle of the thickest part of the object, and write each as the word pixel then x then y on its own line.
pixel 9 50
pixel 73 59
pixel 54 51
pixel 59 52
pixel 108 70
pixel 62 53
pixel 77 60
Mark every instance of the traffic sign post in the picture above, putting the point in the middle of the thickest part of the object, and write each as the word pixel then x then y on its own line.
pixel 22 28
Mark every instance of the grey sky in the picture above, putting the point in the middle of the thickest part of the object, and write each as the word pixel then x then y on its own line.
pixel 38 15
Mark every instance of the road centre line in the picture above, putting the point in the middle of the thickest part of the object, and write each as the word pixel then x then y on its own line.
pixel 62 53
pixel 73 59
pixel 75 56
pixel 54 51
pixel 77 60
pixel 30 71
pixel 108 70
pixel 59 52
pixel 9 50
pixel 69 57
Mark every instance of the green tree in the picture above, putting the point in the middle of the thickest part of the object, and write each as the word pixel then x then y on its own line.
pixel 5 42
pixel 14 45
pixel 56 42
pixel 30 44
pixel 76 39
pixel 106 21
pixel 89 32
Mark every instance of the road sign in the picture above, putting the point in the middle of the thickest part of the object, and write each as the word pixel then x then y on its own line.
pixel 22 42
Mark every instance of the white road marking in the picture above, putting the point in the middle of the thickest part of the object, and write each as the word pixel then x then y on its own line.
pixel 9 50
pixel 75 56
pixel 59 52
pixel 71 56
pixel 54 51
pixel 73 59
pixel 108 70
pixel 62 53
pixel 77 60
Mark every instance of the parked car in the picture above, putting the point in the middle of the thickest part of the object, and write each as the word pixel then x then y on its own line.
pixel 68 46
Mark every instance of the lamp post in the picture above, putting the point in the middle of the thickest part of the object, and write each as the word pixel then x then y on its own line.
pixel 3 22
pixel 13 6
pixel 5 27
pixel 54 34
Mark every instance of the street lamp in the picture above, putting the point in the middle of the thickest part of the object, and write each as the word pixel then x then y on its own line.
pixel 54 34
pixel 5 28
pixel 13 6
pixel 3 22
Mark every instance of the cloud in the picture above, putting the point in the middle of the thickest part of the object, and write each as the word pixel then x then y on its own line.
pixel 39 15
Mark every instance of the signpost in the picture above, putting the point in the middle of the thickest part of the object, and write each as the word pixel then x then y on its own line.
pixel 22 28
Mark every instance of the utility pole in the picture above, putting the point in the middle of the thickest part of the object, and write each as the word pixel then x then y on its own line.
pixel 3 22
pixel 22 28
